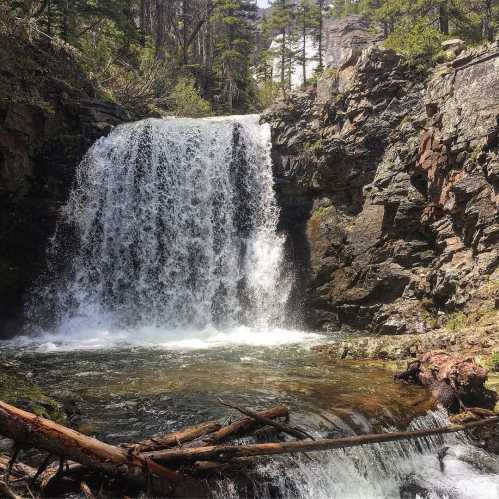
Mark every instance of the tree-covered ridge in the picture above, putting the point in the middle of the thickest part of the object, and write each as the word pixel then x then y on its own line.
pixel 201 57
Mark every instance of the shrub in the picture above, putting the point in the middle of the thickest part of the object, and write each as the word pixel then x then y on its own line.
pixel 456 321
pixel 418 41
pixel 187 102
pixel 267 92
pixel 492 362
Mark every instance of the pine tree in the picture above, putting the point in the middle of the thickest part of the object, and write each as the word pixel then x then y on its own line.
pixel 234 42
pixel 307 20
pixel 281 23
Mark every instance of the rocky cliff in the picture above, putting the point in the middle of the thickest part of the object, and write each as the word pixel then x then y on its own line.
pixel 388 181
pixel 49 115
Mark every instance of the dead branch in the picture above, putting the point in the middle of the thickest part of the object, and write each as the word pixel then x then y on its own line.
pixel 245 425
pixel 228 452
pixel 19 470
pixel 294 432
pixel 173 439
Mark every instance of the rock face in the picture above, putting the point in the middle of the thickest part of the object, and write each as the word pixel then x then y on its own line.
pixel 345 40
pixel 49 116
pixel 388 183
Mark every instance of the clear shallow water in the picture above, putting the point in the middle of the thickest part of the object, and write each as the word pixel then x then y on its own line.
pixel 125 394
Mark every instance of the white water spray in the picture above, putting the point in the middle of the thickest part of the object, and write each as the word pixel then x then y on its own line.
pixel 172 225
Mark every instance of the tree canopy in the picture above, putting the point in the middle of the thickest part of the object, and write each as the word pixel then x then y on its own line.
pixel 231 55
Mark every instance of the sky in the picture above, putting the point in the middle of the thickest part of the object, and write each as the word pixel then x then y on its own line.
pixel 262 3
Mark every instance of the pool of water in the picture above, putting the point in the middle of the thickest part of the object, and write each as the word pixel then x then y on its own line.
pixel 123 394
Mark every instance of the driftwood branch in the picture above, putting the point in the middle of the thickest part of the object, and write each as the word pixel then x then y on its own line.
pixel 246 425
pixel 227 452
pixel 176 438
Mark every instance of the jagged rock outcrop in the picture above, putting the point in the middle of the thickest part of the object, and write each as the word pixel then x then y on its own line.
pixel 49 115
pixel 389 189
pixel 346 38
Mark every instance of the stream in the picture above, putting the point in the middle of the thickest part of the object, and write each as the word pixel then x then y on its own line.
pixel 127 394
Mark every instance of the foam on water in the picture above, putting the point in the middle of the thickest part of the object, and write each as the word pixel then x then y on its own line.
pixel 408 469
pixel 93 337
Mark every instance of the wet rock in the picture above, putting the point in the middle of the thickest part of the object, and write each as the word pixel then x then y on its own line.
pixel 481 338
pixel 18 390
pixel 48 119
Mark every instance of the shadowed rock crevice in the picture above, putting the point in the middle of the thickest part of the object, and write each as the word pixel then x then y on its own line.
pixel 50 114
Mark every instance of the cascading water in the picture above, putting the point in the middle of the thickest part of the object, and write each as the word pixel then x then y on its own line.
pixel 174 225
pixel 438 467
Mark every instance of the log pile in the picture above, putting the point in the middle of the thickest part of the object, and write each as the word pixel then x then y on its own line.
pixel 159 464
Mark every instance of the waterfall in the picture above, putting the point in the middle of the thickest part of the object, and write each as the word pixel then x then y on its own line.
pixel 172 223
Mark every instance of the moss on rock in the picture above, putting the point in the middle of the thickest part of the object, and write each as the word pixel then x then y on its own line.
pixel 18 390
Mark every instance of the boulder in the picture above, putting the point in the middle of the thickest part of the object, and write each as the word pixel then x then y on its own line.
pixel 453 47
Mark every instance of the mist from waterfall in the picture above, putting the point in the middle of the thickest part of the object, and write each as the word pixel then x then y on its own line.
pixel 171 225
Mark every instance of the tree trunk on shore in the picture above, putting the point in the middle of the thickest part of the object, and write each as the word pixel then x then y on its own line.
pixel 35 431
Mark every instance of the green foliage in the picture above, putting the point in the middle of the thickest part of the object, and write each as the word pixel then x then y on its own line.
pixel 418 41
pixel 456 321
pixel 417 27
pixel 313 146
pixel 136 50
pixel 493 361
pixel 186 100
pixel 234 44
pixel 268 91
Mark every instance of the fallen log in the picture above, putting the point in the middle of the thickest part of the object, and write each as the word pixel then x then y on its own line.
pixel 174 439
pixel 27 428
pixel 245 425
pixel 228 452
pixel 454 381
